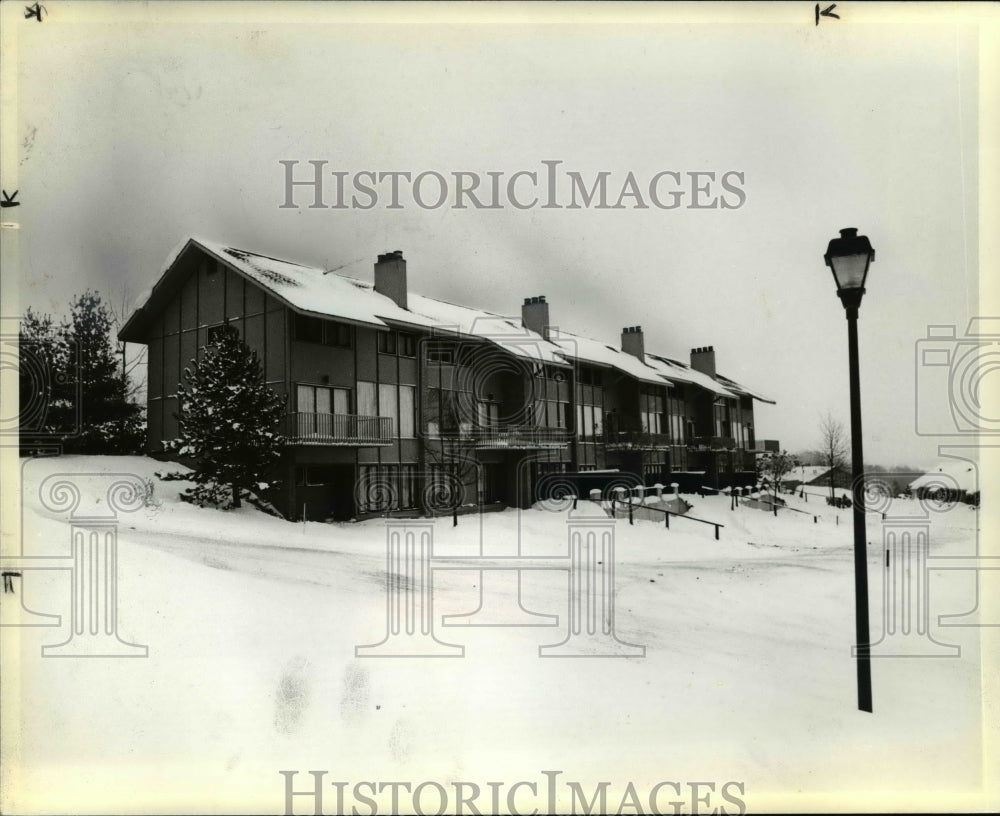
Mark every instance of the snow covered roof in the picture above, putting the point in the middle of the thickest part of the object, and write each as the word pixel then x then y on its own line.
pixel 679 372
pixel 732 385
pixel 805 473
pixel 315 291
pixel 587 350
pixel 948 473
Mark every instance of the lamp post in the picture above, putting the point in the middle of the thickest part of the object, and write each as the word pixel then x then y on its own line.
pixel 849 257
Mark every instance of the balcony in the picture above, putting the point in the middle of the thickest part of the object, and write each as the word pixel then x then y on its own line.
pixel 338 429
pixel 636 440
pixel 713 443
pixel 505 437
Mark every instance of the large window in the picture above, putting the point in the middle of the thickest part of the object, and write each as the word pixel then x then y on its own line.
pixel 556 414
pixel 407 412
pixel 446 411
pixel 675 408
pixel 590 421
pixel 318 399
pixel 388 487
pixel 651 411
pixel 398 402
pixel 315 404
pixel 367 401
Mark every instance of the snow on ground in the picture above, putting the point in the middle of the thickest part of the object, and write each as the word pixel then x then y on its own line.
pixel 252 622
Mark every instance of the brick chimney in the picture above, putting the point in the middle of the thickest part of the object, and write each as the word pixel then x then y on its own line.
pixel 703 360
pixel 390 277
pixel 633 343
pixel 535 315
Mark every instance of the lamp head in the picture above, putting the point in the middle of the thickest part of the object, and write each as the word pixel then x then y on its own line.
pixel 849 258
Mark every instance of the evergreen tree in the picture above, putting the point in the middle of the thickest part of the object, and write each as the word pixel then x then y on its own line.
pixel 70 387
pixel 773 467
pixel 111 424
pixel 45 401
pixel 228 423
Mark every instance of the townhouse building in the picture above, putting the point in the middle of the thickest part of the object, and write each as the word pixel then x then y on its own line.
pixel 400 402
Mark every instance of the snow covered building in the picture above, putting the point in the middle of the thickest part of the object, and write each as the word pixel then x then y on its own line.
pixel 394 397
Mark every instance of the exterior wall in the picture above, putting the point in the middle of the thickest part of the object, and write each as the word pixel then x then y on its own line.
pixel 209 295
pixel 320 480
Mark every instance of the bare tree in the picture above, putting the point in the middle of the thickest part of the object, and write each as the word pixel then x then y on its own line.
pixel 833 446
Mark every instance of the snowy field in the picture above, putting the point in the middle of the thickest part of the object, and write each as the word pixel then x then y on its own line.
pixel 252 623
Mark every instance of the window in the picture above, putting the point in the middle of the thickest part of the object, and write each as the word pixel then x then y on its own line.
pixel 367 404
pixel 487 414
pixel 556 414
pixel 407 412
pixel 440 354
pixel 308 329
pixel 387 342
pixel 589 375
pixel 387 405
pixel 590 419
pixel 314 330
pixel 216 333
pixel 445 412
pixel 399 488
pixel 339 334
pixel 318 399
pixel 407 345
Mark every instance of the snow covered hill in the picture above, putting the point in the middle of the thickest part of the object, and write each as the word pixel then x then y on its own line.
pixel 252 623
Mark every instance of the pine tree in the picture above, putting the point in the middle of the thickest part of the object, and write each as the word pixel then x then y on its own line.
pixel 228 423
pixel 111 424
pixel 45 410
pixel 70 387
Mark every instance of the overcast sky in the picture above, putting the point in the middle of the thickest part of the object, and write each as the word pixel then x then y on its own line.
pixel 136 132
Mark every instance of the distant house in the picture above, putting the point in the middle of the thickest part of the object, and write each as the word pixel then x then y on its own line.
pixel 949 480
pixel 803 474
pixel 817 476
pixel 393 396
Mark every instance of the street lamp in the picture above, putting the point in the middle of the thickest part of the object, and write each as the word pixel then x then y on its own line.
pixel 849 257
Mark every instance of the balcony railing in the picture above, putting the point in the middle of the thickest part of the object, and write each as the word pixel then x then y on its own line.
pixel 713 442
pixel 339 429
pixel 636 440
pixel 511 437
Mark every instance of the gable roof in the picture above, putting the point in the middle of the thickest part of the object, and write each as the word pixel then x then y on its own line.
pixel 314 291
pixel 949 474
pixel 583 349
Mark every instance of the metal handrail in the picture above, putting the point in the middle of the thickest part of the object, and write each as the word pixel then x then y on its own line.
pixel 666 514
pixel 339 428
